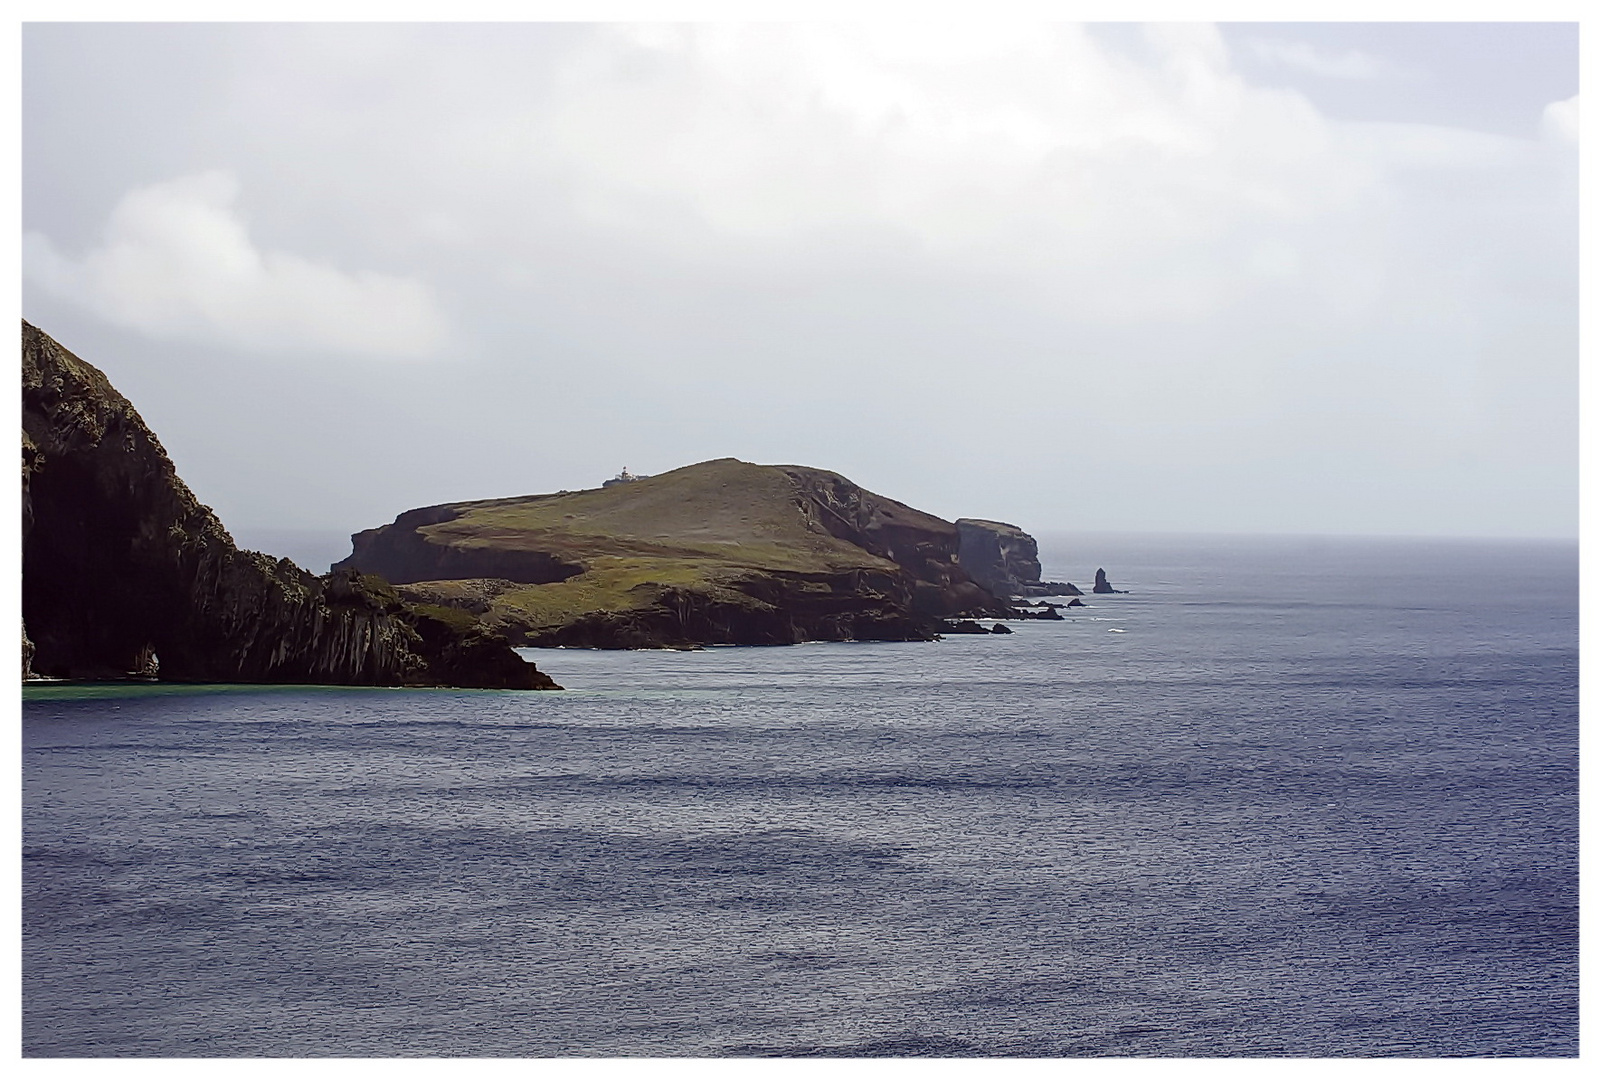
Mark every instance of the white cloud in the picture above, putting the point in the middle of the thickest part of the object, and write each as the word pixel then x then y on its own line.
pixel 177 261
pixel 821 243
pixel 1561 120
pixel 1101 186
pixel 1300 56
pixel 1028 152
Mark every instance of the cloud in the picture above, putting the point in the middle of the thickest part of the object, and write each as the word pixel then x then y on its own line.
pixel 177 261
pixel 1300 56
pixel 812 243
pixel 1029 153
pixel 1561 120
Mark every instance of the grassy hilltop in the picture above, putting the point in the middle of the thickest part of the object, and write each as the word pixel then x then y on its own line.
pixel 721 550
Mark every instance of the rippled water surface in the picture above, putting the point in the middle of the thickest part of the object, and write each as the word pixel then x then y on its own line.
pixel 1284 797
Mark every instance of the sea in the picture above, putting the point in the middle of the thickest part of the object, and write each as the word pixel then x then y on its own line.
pixel 1281 797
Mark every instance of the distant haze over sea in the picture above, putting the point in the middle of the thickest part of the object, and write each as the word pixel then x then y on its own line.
pixel 1065 556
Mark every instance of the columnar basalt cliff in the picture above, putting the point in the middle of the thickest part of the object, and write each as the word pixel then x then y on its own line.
pixel 722 552
pixel 1005 560
pixel 125 572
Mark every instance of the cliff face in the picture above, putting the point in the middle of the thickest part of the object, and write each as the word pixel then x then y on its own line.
pixel 719 552
pixel 1005 560
pixel 997 555
pixel 124 571
pixel 923 546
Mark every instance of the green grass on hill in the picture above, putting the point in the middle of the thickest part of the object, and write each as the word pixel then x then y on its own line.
pixel 611 584
pixel 727 512
pixel 700 528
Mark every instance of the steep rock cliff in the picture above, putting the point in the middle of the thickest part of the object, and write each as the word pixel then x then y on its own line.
pixel 124 571
pixel 1005 560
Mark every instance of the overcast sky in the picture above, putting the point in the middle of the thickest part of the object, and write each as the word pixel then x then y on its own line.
pixel 1248 278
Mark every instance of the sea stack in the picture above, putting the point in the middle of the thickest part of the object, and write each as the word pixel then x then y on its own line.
pixel 1101 584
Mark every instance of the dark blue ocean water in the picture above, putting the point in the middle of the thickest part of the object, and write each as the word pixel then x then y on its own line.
pixel 1286 797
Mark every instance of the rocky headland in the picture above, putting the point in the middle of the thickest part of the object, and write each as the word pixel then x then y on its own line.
pixel 1005 560
pixel 721 552
pixel 126 573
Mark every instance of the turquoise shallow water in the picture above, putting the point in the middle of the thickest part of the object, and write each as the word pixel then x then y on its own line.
pixel 1312 797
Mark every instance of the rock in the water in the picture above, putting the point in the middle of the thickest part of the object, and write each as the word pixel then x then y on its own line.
pixel 1000 628
pixel 1075 602
pixel 125 572
pixel 1026 611
pixel 1101 584
pixel 961 626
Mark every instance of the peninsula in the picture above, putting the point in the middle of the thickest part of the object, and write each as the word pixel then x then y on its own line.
pixel 720 552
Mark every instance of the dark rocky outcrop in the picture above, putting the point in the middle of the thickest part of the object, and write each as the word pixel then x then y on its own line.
pixel 969 626
pixel 1102 585
pixel 1005 560
pixel 722 552
pixel 126 573
pixel 961 626
pixel 1050 612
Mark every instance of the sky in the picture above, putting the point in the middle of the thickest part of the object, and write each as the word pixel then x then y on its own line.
pixel 1258 278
